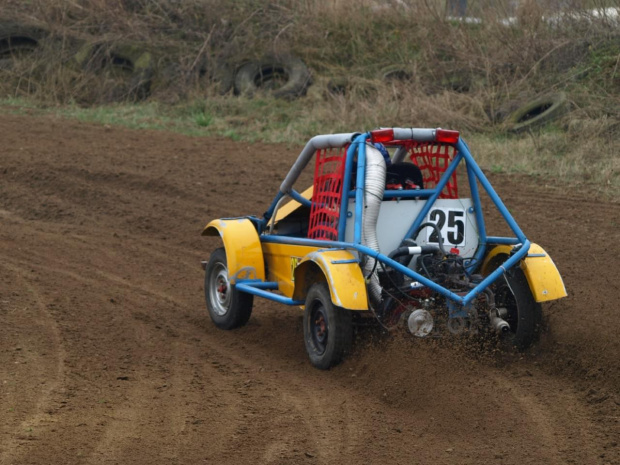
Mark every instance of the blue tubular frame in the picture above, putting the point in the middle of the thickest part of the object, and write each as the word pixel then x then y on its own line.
pixel 474 174
pixel 346 184
pixel 360 184
pixel 482 230
pixel 461 300
pixel 260 288
pixel 269 213
pixel 408 194
pixel 299 198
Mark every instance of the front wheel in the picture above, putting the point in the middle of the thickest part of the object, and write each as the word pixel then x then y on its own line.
pixel 517 306
pixel 328 330
pixel 227 307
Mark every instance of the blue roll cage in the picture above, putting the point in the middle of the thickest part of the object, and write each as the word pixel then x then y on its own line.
pixel 474 173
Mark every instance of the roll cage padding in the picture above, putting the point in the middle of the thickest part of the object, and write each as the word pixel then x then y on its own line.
pixel 340 140
pixel 314 144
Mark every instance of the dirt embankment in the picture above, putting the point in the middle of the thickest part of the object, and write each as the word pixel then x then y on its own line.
pixel 107 354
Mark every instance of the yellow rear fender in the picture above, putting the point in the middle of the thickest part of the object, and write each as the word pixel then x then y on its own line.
pixel 542 275
pixel 342 272
pixel 244 255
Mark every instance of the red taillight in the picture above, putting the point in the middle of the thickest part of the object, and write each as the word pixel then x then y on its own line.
pixel 446 136
pixel 382 135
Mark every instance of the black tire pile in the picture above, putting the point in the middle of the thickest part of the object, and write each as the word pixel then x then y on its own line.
pixel 132 73
pixel 137 71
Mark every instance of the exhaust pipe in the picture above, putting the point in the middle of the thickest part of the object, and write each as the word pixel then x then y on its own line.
pixel 497 315
pixel 375 185
pixel 499 324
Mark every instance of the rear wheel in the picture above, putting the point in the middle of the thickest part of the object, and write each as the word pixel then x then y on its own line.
pixel 227 307
pixel 516 304
pixel 328 330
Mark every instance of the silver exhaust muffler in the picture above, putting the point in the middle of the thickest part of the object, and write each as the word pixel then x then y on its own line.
pixel 497 322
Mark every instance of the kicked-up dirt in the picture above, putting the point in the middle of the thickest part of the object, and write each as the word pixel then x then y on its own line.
pixel 107 353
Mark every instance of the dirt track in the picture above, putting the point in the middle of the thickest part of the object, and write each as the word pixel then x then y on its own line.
pixel 107 354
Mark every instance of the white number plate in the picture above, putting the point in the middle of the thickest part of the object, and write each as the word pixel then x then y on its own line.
pixel 451 224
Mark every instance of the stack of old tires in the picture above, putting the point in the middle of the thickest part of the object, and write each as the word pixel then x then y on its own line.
pixel 134 71
pixel 131 71
pixel 18 47
pixel 17 41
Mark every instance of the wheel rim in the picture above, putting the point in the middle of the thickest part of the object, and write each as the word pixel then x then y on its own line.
pixel 220 292
pixel 318 328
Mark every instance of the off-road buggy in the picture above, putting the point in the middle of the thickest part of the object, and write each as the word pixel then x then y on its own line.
pixel 383 234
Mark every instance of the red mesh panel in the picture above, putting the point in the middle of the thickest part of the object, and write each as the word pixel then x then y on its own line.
pixel 433 159
pixel 327 196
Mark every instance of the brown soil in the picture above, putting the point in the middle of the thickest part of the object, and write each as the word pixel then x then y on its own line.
pixel 107 354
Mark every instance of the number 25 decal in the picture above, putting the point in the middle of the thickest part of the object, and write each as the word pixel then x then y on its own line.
pixel 452 230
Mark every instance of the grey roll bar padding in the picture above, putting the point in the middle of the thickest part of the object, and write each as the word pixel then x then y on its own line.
pixel 340 140
pixel 419 135
pixel 316 143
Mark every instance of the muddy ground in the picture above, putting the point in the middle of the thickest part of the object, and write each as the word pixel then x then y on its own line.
pixel 107 354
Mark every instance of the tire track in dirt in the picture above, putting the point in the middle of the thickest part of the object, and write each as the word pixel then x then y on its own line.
pixel 333 428
pixel 168 424
pixel 117 437
pixel 564 441
pixel 31 415
pixel 125 423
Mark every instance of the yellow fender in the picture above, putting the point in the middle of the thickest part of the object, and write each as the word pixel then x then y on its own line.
pixel 244 255
pixel 542 275
pixel 342 272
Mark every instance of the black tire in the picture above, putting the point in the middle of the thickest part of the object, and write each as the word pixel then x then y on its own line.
pixel 284 77
pixel 228 308
pixel 524 314
pixel 131 66
pixel 17 41
pixel 537 113
pixel 328 330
